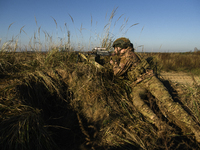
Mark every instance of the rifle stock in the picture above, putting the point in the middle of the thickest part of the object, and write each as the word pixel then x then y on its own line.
pixel 92 62
pixel 96 52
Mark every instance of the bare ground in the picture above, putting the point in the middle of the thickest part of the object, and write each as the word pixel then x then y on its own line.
pixel 180 77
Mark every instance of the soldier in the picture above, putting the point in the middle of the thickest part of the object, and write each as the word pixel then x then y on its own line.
pixel 133 68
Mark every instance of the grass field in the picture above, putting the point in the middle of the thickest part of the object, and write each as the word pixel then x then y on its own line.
pixel 48 101
pixel 186 62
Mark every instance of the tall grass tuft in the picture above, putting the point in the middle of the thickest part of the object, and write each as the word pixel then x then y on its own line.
pixel 22 128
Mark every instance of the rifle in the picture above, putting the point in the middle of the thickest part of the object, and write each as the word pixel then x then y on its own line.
pixel 97 52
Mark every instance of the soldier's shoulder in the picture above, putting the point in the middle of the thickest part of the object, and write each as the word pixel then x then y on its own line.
pixel 131 54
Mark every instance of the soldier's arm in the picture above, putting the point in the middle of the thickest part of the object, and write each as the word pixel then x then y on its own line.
pixel 125 63
pixel 120 69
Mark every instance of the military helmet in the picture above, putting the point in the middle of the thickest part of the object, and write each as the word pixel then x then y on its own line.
pixel 122 43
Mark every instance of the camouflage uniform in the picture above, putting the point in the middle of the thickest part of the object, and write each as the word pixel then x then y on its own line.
pixel 144 80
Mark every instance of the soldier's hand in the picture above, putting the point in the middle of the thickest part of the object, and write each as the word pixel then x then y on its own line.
pixel 111 62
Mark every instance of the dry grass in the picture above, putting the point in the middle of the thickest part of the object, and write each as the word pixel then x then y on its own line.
pixel 48 96
pixel 185 62
pixel 49 101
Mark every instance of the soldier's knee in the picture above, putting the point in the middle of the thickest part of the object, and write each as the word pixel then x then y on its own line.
pixel 142 93
pixel 139 92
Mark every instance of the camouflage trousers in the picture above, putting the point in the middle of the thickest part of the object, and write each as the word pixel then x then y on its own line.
pixel 170 109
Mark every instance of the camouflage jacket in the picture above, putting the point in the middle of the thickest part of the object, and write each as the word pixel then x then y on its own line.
pixel 127 62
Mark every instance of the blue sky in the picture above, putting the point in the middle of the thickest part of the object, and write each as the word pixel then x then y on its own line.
pixel 164 25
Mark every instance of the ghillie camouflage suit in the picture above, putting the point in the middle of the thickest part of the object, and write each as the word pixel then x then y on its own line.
pixel 137 70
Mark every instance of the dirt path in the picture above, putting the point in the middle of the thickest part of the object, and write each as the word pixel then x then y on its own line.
pixel 180 77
